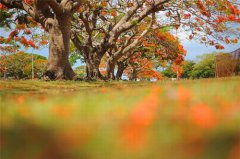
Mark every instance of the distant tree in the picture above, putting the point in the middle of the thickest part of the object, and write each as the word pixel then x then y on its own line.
pixel 73 58
pixel 74 55
pixel 205 68
pixel 187 69
pixel 167 72
pixel 80 71
pixel 19 65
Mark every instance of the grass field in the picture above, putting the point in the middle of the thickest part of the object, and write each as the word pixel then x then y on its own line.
pixel 197 119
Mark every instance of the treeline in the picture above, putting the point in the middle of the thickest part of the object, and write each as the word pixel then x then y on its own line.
pixel 203 67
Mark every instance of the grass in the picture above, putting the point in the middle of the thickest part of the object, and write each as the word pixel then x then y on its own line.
pixel 98 120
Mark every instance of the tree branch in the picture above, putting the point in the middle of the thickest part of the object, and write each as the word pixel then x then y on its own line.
pixel 119 54
pixel 56 7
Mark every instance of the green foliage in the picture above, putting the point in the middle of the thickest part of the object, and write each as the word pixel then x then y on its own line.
pixel 187 69
pixel 205 68
pixel 19 65
pixel 167 72
pixel 5 20
pixel 74 55
pixel 80 71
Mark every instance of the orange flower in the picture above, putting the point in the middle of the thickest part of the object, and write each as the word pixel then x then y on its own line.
pixel 20 99
pixel 184 95
pixel 203 116
pixel 103 12
pixel 113 13
pixel 134 131
pixel 2 7
pixel 28 31
pixel 31 43
pixel 133 138
pixel 103 89
pixel 61 111
pixel 219 47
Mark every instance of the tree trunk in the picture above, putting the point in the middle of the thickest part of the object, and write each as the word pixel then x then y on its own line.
pixel 133 76
pixel 5 74
pixel 110 69
pixel 58 66
pixel 92 66
pixel 121 68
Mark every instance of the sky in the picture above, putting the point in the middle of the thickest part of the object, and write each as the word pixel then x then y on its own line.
pixel 195 49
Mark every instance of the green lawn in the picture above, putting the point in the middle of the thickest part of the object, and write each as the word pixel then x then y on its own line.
pixel 197 119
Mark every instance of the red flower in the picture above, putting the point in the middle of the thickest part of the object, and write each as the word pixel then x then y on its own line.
pixel 219 47
pixel 187 16
pixel 31 43
pixel 28 31
pixel 2 7
pixel 24 41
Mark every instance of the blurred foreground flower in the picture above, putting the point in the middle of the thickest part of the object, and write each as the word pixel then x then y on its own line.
pixel 184 95
pixel 62 111
pixel 134 131
pixel 20 99
pixel 203 116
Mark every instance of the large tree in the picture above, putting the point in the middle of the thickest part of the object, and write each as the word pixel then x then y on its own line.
pixel 154 50
pixel 55 17
pixel 112 27
pixel 105 23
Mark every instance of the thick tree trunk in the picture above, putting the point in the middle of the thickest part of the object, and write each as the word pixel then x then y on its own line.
pixel 58 66
pixel 92 66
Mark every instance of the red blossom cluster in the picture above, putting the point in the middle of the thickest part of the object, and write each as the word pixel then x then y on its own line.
pixel 2 7
pixel 30 2
pixel 203 8
pixel 187 16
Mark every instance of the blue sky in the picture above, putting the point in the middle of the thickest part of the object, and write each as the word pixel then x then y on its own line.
pixel 195 49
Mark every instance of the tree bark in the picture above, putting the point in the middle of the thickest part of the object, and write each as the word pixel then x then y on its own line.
pixel 133 76
pixel 92 66
pixel 121 68
pixel 110 69
pixel 58 66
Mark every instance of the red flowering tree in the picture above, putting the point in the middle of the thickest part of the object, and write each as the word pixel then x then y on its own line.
pixel 19 65
pixel 160 47
pixel 55 17
pixel 114 28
